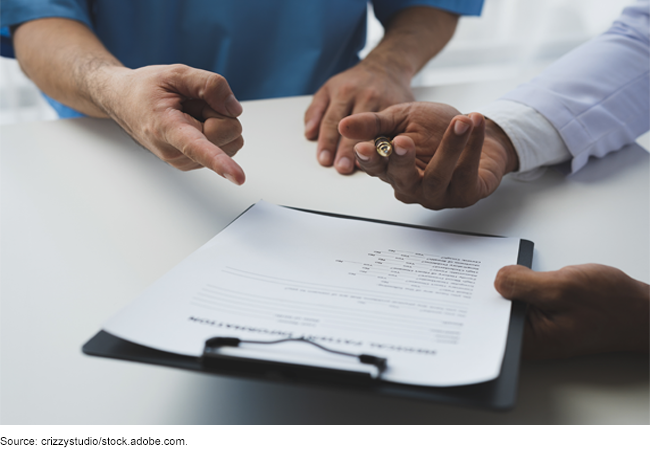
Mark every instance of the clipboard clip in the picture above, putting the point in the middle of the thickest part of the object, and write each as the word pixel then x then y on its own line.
pixel 212 358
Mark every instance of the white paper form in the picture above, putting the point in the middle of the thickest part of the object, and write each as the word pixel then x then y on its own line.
pixel 424 300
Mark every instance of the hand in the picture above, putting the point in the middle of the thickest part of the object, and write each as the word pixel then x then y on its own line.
pixel 365 87
pixel 441 159
pixel 579 310
pixel 187 117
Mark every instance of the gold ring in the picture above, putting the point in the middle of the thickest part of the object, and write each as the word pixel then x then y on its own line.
pixel 384 146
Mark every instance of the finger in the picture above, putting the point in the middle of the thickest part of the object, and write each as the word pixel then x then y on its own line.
pixel 222 130
pixel 521 283
pixel 315 113
pixel 328 135
pixel 466 171
pixel 370 161
pixel 174 157
pixel 367 126
pixel 193 144
pixel 208 86
pixel 187 165
pixel 401 172
pixel 441 167
pixel 344 162
pixel 231 148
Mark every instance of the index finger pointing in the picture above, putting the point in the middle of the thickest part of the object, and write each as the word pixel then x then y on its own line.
pixel 192 143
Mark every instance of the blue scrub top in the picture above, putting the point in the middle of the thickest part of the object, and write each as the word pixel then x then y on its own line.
pixel 263 48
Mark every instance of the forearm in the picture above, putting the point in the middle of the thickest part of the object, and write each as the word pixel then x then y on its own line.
pixel 67 62
pixel 596 96
pixel 412 38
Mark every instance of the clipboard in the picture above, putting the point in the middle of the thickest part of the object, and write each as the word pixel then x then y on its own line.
pixel 499 394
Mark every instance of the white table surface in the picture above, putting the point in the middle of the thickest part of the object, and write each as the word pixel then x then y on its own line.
pixel 90 219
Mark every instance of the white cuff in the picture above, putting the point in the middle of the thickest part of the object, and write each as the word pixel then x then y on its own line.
pixel 536 141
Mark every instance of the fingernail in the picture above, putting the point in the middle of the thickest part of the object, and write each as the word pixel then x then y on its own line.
pixel 325 157
pixel 233 107
pixel 400 151
pixel 230 178
pixel 344 164
pixel 360 156
pixel 476 119
pixel 460 127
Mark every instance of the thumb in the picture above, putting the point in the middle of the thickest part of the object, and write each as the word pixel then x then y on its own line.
pixel 521 283
pixel 369 125
pixel 207 86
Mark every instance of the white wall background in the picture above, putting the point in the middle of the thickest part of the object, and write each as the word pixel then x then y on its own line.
pixel 512 38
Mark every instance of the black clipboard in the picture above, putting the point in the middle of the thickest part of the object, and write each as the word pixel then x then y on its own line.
pixel 498 394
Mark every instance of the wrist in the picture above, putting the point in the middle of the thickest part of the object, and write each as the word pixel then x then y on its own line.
pixel 102 84
pixel 413 36
pixel 396 66
pixel 495 132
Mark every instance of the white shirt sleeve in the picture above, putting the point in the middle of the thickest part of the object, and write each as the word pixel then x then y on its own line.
pixel 536 141
pixel 596 98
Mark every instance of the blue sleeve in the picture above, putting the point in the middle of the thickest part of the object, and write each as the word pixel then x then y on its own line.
pixel 598 95
pixel 385 9
pixel 15 12
pixel 6 47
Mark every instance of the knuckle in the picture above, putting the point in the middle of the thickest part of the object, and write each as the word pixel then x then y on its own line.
pixel 174 71
pixel 370 95
pixel 236 126
pixel 178 68
pixel 403 197
pixel 233 147
pixel 239 142
pixel 347 89
pixel 433 201
pixel 222 131
pixel 216 79
pixel 331 122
